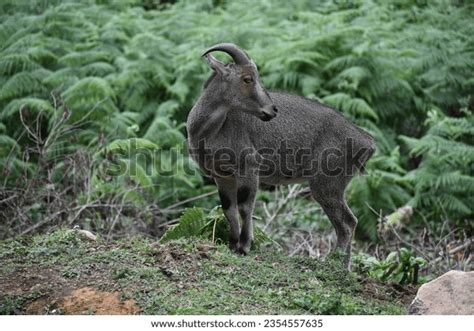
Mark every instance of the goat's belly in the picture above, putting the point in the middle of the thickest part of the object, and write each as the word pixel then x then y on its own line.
pixel 276 170
pixel 275 173
pixel 281 180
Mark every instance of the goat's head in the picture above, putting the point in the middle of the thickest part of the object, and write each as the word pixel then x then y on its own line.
pixel 238 84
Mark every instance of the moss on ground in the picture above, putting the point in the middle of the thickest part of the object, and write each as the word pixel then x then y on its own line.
pixel 182 277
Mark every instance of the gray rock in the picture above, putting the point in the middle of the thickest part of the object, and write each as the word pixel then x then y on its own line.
pixel 449 294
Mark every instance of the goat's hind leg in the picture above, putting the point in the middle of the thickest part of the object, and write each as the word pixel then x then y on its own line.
pixel 329 193
pixel 227 188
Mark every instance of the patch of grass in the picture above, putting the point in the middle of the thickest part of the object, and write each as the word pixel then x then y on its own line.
pixel 192 277
pixel 14 304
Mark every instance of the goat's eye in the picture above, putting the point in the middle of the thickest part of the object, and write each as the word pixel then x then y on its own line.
pixel 248 79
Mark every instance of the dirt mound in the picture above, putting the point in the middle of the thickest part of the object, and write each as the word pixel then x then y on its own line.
pixel 88 300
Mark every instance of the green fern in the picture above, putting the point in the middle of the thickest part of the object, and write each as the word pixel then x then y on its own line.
pixel 164 133
pixel 443 182
pixel 79 59
pixel 23 84
pixel 127 146
pixel 190 224
pixel 30 104
pixel 355 107
pixel 214 227
pixel 383 189
pixel 91 96
pixel 15 63
pixel 62 78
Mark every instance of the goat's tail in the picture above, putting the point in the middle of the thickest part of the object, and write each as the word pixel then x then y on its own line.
pixel 366 156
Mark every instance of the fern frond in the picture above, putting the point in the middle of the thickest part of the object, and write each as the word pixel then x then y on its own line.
pixel 354 75
pixel 77 59
pixel 98 69
pixel 23 83
pixel 8 146
pixel 14 63
pixel 137 173
pixel 90 95
pixel 163 133
pixel 7 29
pixel 214 227
pixel 438 145
pixel 353 106
pixel 43 56
pixel 62 78
pixel 122 124
pixel 340 63
pixel 129 146
pixel 190 224
pixel 30 104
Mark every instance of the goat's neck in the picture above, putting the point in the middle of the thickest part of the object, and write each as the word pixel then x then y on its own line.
pixel 210 121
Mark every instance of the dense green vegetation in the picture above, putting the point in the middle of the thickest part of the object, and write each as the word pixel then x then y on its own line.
pixel 90 88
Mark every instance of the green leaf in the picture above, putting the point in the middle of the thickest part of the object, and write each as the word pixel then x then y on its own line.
pixel 129 146
pixel 190 225
pixel 30 104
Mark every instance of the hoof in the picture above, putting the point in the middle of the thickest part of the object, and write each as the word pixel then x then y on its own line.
pixel 234 247
pixel 243 251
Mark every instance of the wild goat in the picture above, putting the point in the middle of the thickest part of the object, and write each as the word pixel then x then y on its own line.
pixel 241 135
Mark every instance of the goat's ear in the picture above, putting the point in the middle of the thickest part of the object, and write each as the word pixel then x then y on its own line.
pixel 215 65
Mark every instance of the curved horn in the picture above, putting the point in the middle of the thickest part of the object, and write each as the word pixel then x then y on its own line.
pixel 238 55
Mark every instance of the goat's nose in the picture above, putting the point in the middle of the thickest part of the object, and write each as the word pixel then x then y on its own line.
pixel 275 109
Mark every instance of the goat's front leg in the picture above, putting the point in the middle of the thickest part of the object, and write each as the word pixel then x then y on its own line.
pixel 227 187
pixel 246 192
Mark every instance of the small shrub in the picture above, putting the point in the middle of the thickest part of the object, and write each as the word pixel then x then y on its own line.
pixel 401 266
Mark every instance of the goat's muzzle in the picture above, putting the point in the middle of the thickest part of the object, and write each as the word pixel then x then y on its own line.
pixel 268 112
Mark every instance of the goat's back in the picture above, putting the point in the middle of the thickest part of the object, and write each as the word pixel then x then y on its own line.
pixel 305 123
pixel 312 134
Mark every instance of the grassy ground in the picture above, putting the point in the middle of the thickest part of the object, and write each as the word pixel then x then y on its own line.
pixel 65 273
